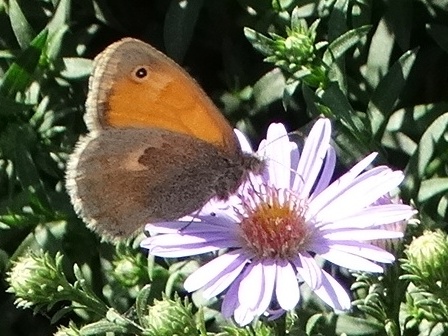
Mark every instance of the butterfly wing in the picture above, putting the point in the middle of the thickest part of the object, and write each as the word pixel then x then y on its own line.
pixel 135 85
pixel 121 179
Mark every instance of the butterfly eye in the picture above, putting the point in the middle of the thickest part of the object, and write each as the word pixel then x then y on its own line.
pixel 140 73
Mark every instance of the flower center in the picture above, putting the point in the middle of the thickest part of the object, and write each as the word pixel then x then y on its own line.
pixel 274 224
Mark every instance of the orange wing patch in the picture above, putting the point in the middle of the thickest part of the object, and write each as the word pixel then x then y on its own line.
pixel 171 100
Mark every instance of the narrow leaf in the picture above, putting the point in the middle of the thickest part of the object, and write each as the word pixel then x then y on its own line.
pixel 269 88
pixel 380 50
pixel 20 73
pixel 431 188
pixel 339 46
pixel 414 120
pixel 102 327
pixel 337 23
pixel 61 313
pixel 338 103
pixel 22 29
pixel 420 160
pixel 385 96
pixel 142 302
pixel 258 41
pixel 357 326
pixel 61 17
pixel 76 67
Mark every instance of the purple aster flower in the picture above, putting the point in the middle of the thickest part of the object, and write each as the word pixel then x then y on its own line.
pixel 277 222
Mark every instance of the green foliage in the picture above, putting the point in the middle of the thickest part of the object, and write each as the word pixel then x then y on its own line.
pixel 378 69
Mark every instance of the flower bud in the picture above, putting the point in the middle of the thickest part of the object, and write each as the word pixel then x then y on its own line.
pixel 170 317
pixel 36 279
pixel 129 270
pixel 428 255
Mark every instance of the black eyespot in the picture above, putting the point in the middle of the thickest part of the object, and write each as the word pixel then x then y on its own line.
pixel 141 72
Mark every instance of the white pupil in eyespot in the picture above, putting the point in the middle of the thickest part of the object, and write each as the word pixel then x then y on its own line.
pixel 141 73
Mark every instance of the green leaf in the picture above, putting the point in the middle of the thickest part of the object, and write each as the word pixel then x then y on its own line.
pixel 431 188
pixel 313 323
pixel 339 105
pixel 76 67
pixel 339 46
pixel 414 120
pixel 385 96
pixel 180 21
pixel 337 23
pixel 20 73
pixel 102 327
pixel 17 143
pixel 380 52
pixel 352 137
pixel 409 123
pixel 400 142
pixel 269 88
pixel 61 17
pixel 142 302
pixel 7 54
pixel 311 101
pixel 357 326
pixel 258 41
pixel 22 30
pixel 296 19
pixel 61 313
pixel 57 27
pixel 417 167
pixel 440 35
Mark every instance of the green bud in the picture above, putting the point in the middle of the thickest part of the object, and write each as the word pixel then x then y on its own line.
pixel 37 279
pixel 130 269
pixel 296 54
pixel 170 317
pixel 428 255
pixel 299 47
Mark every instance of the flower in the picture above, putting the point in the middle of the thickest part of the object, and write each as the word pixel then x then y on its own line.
pixel 277 222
